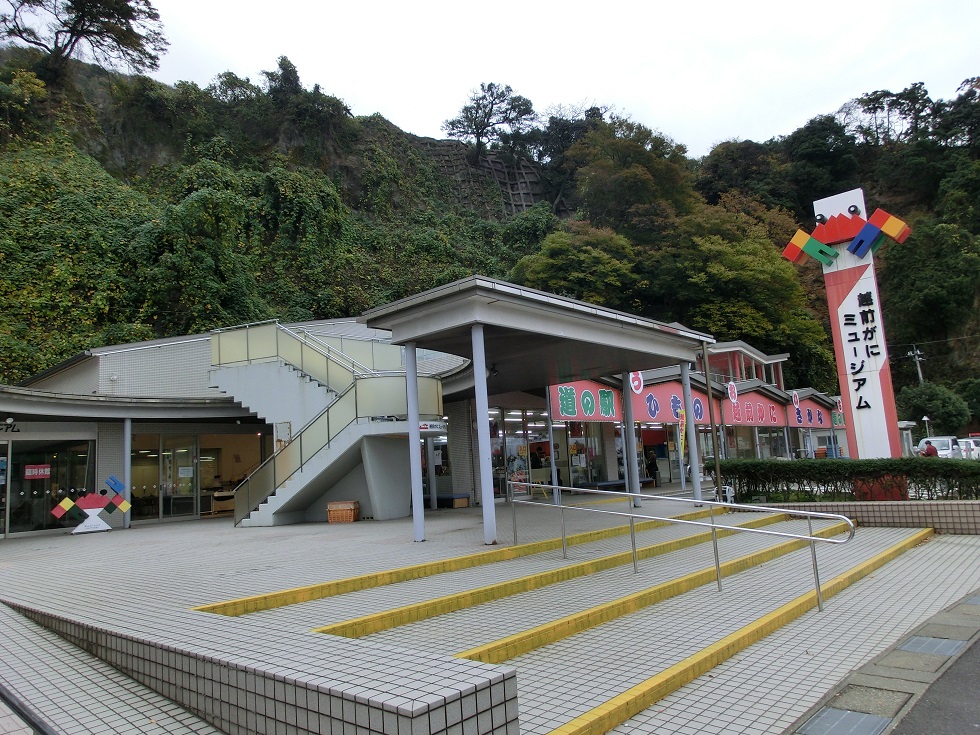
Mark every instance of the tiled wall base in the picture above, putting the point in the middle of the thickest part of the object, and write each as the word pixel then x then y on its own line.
pixel 945 516
pixel 323 695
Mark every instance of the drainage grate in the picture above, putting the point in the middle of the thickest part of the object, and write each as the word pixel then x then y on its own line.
pixel 830 721
pixel 942 646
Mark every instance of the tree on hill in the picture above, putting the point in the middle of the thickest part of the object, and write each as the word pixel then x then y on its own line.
pixel 112 33
pixel 583 262
pixel 632 179
pixel 947 411
pixel 18 97
pixel 492 110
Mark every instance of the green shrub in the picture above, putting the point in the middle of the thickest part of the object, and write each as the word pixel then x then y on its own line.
pixel 834 480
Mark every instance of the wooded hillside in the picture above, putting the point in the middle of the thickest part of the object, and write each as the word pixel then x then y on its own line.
pixel 133 210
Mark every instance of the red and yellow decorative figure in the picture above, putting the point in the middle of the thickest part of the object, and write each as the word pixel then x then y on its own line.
pixel 89 506
pixel 867 396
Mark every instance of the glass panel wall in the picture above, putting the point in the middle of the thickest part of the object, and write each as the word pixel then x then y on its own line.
pixel 4 459
pixel 41 474
pixel 520 447
pixel 539 447
pixel 179 476
pixel 585 456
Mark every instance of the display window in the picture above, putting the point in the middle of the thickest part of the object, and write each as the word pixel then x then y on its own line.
pixel 40 474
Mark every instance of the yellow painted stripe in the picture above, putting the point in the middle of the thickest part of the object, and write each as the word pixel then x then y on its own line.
pixel 634 700
pixel 528 640
pixel 282 598
pixel 387 619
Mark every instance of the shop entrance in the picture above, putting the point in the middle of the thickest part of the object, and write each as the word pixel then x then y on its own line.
pixel 523 451
pixel 187 475
pixel 178 477
pixel 164 472
pixel 520 448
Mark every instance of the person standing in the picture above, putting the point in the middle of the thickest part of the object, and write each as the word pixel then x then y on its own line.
pixel 928 450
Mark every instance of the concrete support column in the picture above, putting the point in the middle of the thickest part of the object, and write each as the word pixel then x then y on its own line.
pixel 692 430
pixel 715 443
pixel 485 481
pixel 414 439
pixel 551 452
pixel 630 468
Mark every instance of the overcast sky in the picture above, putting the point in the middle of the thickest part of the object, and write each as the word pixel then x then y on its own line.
pixel 699 72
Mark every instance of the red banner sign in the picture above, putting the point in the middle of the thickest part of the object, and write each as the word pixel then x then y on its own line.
pixel 37 472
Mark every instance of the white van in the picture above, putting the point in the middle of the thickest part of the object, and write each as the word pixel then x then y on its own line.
pixel 970 446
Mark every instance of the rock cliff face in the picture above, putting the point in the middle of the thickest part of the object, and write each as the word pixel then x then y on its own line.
pixel 135 126
pixel 495 189
pixel 517 186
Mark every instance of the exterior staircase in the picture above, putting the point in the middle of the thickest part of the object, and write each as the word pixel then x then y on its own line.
pixel 334 405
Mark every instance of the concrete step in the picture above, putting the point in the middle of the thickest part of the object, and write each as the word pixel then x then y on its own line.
pixel 491 574
pixel 72 691
pixel 616 670
pixel 518 618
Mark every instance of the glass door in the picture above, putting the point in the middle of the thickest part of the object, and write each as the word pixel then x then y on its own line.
pixel 178 476
pixel 145 469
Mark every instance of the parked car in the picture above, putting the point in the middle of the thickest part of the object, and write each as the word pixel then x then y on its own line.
pixel 970 445
pixel 946 446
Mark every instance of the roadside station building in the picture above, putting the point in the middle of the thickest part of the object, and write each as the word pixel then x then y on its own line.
pixel 268 423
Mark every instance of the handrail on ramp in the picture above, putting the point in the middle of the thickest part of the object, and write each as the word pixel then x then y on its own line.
pixel 556 491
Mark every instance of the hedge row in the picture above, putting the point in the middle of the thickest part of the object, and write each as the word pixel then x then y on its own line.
pixel 837 480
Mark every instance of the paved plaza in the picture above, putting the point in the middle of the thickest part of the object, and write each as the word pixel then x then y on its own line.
pixel 145 581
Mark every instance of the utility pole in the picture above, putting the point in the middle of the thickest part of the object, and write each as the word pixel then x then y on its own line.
pixel 916 355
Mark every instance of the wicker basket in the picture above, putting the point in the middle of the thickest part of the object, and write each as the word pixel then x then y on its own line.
pixel 343 511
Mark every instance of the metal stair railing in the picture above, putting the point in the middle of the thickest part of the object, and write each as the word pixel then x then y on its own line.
pixel 556 491
pixel 349 406
pixel 311 439
pixel 349 363
pixel 271 341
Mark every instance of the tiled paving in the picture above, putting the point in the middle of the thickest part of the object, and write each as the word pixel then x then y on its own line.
pixel 767 687
pixel 11 724
pixel 333 609
pixel 458 631
pixel 602 662
pixel 142 582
